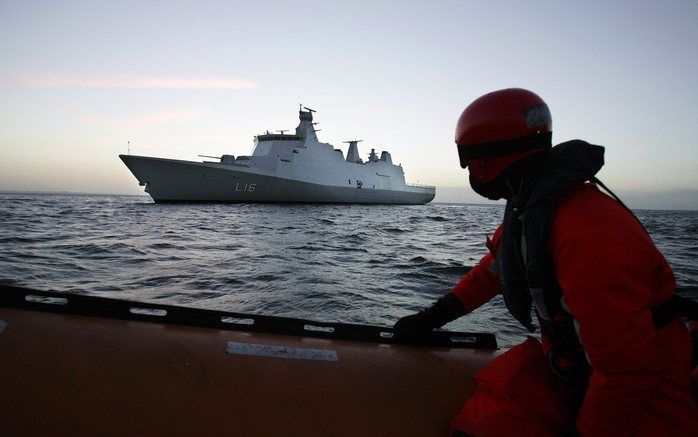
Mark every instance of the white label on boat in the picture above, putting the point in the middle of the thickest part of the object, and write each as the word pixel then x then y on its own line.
pixel 3 324
pixel 273 351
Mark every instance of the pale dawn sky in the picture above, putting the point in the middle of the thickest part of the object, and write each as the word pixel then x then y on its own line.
pixel 79 79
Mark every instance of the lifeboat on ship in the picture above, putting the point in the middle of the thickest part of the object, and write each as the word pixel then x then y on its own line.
pixel 79 365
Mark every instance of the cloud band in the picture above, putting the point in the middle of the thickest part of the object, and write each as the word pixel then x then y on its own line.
pixel 137 83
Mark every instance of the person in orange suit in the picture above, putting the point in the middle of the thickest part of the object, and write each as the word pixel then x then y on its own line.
pixel 615 357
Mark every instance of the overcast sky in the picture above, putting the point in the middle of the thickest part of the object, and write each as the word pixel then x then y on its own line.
pixel 78 80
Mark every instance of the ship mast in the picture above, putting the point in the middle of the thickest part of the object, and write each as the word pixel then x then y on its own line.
pixel 306 128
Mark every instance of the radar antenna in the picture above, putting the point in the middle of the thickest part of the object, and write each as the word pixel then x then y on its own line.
pixel 352 141
pixel 308 109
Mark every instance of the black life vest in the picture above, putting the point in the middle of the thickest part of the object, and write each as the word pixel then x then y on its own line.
pixel 524 263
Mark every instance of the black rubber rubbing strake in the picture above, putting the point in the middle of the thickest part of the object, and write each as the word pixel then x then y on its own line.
pixel 93 306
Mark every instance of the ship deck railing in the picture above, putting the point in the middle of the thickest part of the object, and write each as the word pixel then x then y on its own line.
pixel 428 187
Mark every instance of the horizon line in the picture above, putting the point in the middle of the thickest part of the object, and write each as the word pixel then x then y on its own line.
pixel 494 204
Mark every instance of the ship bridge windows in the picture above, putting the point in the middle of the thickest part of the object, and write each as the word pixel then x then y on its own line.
pixel 280 137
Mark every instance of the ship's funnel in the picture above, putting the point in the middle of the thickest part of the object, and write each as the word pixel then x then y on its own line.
pixel 353 153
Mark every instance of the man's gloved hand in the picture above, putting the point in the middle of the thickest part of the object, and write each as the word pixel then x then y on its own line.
pixel 413 327
pixel 418 327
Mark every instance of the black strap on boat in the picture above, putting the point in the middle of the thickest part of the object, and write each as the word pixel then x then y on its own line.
pixel 664 314
pixel 93 306
pixel 686 307
pixel 667 312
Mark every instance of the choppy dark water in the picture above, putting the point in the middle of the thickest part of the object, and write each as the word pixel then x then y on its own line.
pixel 359 264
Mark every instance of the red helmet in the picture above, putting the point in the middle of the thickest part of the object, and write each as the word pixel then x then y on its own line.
pixel 499 129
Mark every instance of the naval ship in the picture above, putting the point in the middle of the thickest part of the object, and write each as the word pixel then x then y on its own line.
pixel 293 167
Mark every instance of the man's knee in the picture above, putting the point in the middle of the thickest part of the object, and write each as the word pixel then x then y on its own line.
pixel 516 395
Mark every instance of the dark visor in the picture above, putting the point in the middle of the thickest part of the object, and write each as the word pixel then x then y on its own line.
pixel 504 148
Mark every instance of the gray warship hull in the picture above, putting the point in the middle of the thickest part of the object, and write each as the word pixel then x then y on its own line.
pixel 177 181
pixel 282 168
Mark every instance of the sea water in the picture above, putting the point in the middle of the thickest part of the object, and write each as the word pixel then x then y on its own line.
pixel 336 263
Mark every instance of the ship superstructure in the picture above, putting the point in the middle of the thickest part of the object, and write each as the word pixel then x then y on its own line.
pixel 283 167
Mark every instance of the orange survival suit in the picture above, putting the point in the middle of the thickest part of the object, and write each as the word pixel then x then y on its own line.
pixel 634 375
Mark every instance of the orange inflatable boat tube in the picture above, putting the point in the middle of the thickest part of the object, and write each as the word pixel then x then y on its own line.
pixel 74 365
